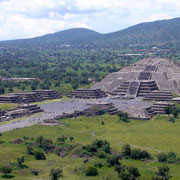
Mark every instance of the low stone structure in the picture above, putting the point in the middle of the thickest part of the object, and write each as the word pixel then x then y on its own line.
pixel 10 98
pixel 83 93
pixel 176 100
pixel 158 96
pixel 158 108
pixel 48 94
pixel 29 97
pixel 140 113
pixel 102 106
pixel 20 111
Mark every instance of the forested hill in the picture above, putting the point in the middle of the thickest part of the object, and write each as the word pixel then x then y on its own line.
pixel 72 36
pixel 164 34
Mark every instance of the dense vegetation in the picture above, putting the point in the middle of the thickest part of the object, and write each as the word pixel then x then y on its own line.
pixel 61 69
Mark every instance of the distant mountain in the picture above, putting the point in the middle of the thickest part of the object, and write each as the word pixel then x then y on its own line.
pixel 164 33
pixel 72 36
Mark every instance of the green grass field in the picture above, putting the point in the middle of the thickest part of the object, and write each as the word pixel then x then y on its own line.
pixel 154 136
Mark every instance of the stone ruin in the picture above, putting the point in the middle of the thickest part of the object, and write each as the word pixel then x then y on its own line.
pixel 95 109
pixel 83 93
pixel 29 97
pixel 20 111
pixel 148 76
pixel 48 94
pixel 10 98
pixel 158 108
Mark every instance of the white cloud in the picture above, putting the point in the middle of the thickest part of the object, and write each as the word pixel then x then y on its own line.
pixel 30 18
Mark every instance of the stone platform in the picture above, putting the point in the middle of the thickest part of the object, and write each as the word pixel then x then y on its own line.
pixel 83 93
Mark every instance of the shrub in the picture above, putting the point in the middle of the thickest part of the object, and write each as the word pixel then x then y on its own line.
pixel 56 173
pixel 99 165
pixel 171 158
pixel 39 155
pixel 29 150
pixel 126 150
pixel 162 174
pixel 113 160
pixel 5 170
pixel 101 154
pixel 162 157
pixel 35 172
pixel 172 120
pixel 139 155
pixel 91 171
pixel 127 172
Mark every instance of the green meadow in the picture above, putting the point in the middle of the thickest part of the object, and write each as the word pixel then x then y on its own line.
pixel 156 135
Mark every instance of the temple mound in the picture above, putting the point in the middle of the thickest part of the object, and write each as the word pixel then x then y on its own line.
pixel 143 77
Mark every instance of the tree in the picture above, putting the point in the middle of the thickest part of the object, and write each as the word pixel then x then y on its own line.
pixel 126 150
pixel 91 171
pixel 172 120
pixel 29 150
pixel 71 139
pixel 127 172
pixel 162 157
pixel 113 160
pixel 56 173
pixel 5 170
pixel 162 174
pixel 171 157
pixel 39 155
pixel 2 90
pixel 20 162
pixel 123 116
pixel 168 109
pixel 75 84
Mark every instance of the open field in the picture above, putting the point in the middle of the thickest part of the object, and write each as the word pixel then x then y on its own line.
pixel 154 136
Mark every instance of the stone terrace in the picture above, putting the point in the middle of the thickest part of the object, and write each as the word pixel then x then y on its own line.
pixel 87 94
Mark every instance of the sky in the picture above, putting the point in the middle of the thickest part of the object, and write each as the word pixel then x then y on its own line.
pixel 30 18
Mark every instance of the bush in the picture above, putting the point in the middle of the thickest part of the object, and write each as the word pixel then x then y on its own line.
pixel 39 155
pixel 97 146
pixel 35 172
pixel 5 170
pixel 113 160
pixel 56 173
pixel 127 172
pixel 162 174
pixel 171 158
pixel 29 150
pixel 162 157
pixel 126 150
pixel 91 171
pixel 101 154
pixel 99 165
pixel 139 155
pixel 172 120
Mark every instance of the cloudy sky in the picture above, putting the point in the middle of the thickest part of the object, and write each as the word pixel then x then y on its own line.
pixel 30 18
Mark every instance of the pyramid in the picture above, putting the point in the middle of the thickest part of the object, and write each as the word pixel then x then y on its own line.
pixel 143 77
